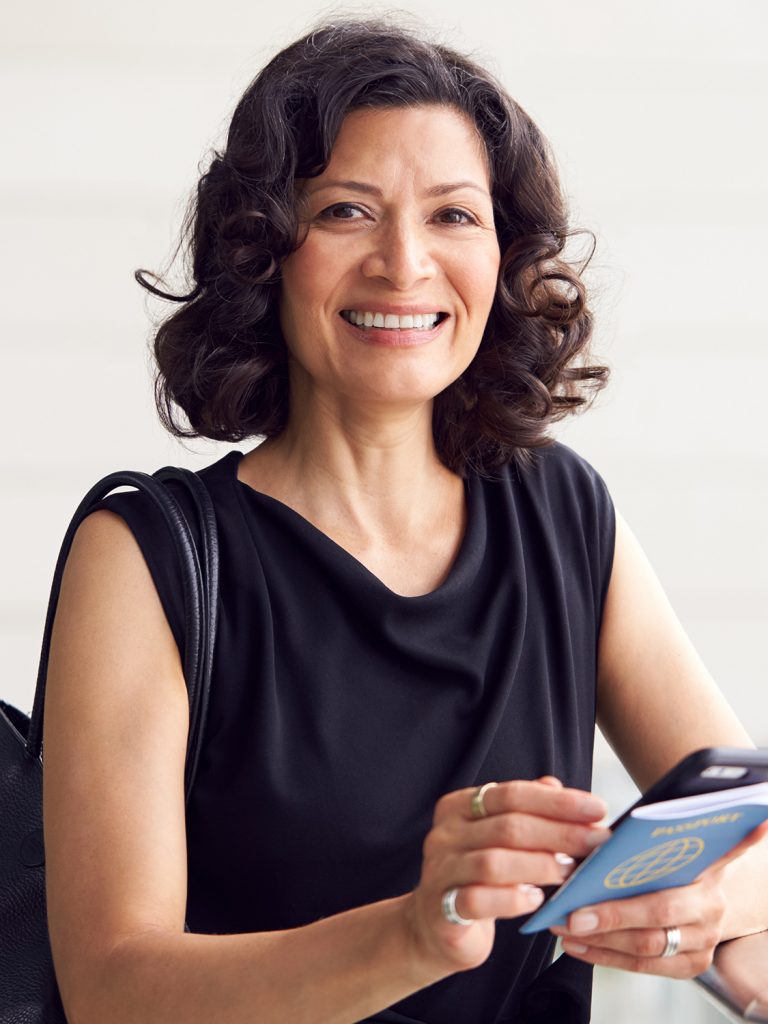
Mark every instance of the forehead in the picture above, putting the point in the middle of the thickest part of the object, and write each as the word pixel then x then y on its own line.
pixel 424 142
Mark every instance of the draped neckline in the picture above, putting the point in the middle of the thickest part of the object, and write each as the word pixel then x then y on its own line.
pixel 288 515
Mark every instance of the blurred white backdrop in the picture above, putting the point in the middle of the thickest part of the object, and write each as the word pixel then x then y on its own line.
pixel 657 115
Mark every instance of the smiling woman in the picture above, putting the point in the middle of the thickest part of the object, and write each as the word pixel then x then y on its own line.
pixel 421 593
pixel 412 163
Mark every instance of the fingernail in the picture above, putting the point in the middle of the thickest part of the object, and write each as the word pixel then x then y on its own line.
pixel 584 922
pixel 573 947
pixel 532 894
pixel 592 805
pixel 757 1010
pixel 596 837
pixel 566 863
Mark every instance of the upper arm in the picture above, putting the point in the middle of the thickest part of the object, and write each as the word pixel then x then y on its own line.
pixel 656 700
pixel 114 744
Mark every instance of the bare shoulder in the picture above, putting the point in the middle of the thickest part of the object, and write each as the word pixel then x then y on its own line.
pixel 114 744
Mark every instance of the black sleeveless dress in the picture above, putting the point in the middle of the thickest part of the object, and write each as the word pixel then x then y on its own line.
pixel 341 711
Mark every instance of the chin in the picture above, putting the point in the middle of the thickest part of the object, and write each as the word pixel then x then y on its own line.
pixel 415 395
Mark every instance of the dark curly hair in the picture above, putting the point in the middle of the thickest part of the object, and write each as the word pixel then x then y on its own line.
pixel 222 359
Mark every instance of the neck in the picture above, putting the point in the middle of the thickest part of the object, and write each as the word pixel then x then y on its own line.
pixel 370 473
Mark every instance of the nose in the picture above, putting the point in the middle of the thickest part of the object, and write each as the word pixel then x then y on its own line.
pixel 401 253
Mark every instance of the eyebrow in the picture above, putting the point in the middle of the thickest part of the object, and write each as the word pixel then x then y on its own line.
pixel 435 190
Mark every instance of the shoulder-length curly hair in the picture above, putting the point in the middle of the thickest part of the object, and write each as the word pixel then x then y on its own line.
pixel 221 357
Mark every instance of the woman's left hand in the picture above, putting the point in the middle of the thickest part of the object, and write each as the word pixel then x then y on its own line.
pixel 632 933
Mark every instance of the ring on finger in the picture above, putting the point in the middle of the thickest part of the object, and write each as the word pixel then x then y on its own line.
pixel 450 913
pixel 478 807
pixel 673 938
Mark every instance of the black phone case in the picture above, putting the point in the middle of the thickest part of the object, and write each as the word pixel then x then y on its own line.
pixel 686 779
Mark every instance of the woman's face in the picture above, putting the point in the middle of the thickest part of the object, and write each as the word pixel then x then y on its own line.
pixel 402 217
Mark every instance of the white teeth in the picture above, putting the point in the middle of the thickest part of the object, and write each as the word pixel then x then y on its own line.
pixel 390 321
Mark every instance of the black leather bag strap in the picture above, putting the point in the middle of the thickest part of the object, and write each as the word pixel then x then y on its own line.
pixel 208 564
pixel 200 578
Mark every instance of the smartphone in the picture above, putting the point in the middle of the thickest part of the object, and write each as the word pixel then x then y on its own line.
pixel 706 771
pixel 632 859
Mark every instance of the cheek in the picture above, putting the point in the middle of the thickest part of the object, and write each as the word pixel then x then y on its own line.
pixel 306 264
pixel 479 276
pixel 304 289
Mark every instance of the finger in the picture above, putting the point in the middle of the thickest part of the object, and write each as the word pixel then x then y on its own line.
pixel 550 780
pixel 530 797
pixel 647 942
pixel 520 831
pixel 667 908
pixel 682 965
pixel 750 840
pixel 497 866
pixel 476 902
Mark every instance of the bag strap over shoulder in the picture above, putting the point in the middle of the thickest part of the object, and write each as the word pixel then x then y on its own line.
pixel 200 578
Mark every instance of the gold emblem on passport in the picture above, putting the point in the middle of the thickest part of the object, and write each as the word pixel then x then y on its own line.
pixel 654 863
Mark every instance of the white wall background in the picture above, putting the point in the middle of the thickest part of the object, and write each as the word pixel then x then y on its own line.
pixel 657 113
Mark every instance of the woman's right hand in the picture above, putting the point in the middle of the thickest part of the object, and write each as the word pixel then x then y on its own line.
pixel 497 863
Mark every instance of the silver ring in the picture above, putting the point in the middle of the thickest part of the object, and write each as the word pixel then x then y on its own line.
pixel 673 941
pixel 478 807
pixel 449 909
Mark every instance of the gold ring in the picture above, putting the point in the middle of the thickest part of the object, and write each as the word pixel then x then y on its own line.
pixel 478 807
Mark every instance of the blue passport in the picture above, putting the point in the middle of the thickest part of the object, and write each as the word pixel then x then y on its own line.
pixel 657 846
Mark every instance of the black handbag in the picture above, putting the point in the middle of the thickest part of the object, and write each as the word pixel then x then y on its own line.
pixel 28 990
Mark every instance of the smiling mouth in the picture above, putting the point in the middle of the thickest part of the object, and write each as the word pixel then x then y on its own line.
pixel 389 322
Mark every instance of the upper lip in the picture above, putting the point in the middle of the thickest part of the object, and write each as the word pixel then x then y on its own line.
pixel 399 310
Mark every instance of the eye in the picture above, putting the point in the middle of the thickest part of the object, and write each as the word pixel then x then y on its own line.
pixel 326 214
pixel 462 213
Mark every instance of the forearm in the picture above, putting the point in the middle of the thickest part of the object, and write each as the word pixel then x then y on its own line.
pixel 338 970
pixel 745 882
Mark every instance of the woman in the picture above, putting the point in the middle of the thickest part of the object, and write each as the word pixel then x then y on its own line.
pixel 421 595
